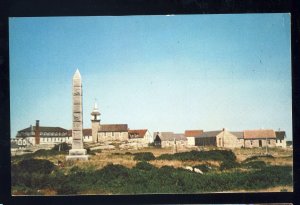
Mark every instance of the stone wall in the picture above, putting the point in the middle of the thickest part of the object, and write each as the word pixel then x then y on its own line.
pixel 228 140
pixel 112 136
pixel 249 143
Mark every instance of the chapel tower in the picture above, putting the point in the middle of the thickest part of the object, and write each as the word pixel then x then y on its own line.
pixel 95 119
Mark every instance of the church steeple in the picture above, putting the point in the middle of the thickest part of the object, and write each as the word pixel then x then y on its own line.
pixel 95 118
pixel 95 114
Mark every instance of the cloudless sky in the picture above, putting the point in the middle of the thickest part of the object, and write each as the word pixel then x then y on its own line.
pixel 164 73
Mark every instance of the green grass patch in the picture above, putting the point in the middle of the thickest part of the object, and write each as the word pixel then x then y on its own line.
pixel 146 178
pixel 216 155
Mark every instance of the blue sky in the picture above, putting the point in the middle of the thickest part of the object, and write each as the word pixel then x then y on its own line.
pixel 164 73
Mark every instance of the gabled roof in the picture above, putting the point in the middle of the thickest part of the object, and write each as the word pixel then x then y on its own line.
pixel 137 133
pixel 259 134
pixel 170 136
pixel 239 135
pixel 193 133
pixel 45 129
pixel 113 128
pixel 210 134
pixel 280 135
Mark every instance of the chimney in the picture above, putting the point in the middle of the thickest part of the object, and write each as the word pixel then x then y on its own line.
pixel 37 132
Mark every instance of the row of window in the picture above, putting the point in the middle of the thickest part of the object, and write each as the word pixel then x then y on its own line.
pixel 43 133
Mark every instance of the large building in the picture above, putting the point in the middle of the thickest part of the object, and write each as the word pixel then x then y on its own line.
pixel 35 135
pixel 45 135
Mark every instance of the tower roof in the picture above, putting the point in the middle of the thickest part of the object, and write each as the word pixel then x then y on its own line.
pixel 95 109
pixel 77 74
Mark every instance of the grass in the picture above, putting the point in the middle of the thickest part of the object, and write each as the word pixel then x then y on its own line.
pixel 118 179
pixel 120 172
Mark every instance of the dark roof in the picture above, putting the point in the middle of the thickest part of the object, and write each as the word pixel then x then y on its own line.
pixel 210 134
pixel 137 133
pixel 45 129
pixel 193 133
pixel 258 134
pixel 114 128
pixel 87 132
pixel 239 135
pixel 280 135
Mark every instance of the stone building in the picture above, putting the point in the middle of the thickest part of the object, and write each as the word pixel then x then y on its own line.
pixel 107 132
pixel 35 135
pixel 190 136
pixel 42 135
pixel 170 139
pixel 259 138
pixel 219 138
pixel 140 136
pixel 280 139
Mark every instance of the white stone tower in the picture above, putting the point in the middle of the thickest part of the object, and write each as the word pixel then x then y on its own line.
pixel 77 151
pixel 95 119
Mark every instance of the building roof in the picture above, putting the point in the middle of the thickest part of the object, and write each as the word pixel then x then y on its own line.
pixel 257 134
pixel 113 128
pixel 137 133
pixel 45 129
pixel 280 135
pixel 169 136
pixel 239 135
pixel 210 134
pixel 87 132
pixel 193 133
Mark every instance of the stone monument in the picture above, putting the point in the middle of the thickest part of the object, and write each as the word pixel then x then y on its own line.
pixel 77 152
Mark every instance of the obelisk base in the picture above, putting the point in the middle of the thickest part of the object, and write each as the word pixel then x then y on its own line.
pixel 77 154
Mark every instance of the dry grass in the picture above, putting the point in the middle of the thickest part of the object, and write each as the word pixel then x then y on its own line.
pixel 271 189
pixel 125 158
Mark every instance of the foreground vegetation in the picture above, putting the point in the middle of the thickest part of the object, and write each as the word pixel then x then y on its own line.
pixel 37 176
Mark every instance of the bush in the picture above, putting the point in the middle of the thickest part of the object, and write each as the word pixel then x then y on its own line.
pixel 217 155
pixel 227 164
pixel 255 164
pixel 144 166
pixel 144 156
pixel 257 157
pixel 35 165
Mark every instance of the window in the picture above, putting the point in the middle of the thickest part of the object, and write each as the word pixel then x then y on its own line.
pixel 251 142
pixel 269 141
pixel 112 133
pixel 280 141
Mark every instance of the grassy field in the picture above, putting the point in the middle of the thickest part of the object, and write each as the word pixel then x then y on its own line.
pixel 153 170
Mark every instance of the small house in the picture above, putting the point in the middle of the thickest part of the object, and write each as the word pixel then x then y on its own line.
pixel 219 138
pixel 190 136
pixel 280 139
pixel 259 138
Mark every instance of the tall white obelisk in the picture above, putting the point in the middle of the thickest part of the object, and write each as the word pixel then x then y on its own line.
pixel 77 151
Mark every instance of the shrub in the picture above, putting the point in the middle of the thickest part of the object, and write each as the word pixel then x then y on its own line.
pixel 255 164
pixel 144 166
pixel 227 164
pixel 257 157
pixel 220 155
pixel 144 156
pixel 35 165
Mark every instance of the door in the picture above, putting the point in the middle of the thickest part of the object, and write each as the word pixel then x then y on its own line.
pixel 260 143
